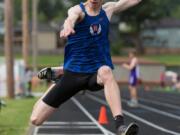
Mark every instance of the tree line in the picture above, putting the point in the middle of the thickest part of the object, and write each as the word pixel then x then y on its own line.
pixel 56 11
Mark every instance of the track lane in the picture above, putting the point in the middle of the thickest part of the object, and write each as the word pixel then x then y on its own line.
pixel 163 121
pixel 69 116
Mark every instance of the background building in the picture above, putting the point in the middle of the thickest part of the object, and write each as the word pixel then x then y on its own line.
pixel 162 36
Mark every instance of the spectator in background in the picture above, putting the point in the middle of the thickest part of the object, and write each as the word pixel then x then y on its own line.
pixel 28 78
pixel 2 104
pixel 133 78
pixel 177 83
pixel 170 80
pixel 22 89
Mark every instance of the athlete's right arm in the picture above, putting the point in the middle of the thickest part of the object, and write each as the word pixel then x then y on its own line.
pixel 131 65
pixel 74 13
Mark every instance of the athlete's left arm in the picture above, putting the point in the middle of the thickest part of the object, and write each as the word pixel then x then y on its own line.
pixel 120 5
pixel 131 65
pixel 124 4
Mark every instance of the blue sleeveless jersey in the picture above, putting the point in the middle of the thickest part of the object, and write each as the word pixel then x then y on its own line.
pixel 88 49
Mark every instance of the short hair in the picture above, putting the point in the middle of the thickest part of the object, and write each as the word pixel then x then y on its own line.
pixel 134 52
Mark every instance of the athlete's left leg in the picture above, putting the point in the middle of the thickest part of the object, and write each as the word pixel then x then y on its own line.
pixel 111 89
pixel 112 93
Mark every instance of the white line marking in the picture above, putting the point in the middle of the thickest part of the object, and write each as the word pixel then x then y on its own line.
pixel 105 131
pixel 166 95
pixel 151 124
pixel 156 111
pixel 67 127
pixel 136 117
pixel 163 99
pixel 70 134
pixel 162 104
pixel 68 123
pixel 36 130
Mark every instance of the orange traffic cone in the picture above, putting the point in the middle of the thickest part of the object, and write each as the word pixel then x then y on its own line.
pixel 103 116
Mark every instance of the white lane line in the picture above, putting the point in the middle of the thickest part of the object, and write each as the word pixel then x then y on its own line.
pixel 71 134
pixel 163 99
pixel 161 104
pixel 171 96
pixel 68 127
pixel 36 130
pixel 105 131
pixel 68 123
pixel 136 117
pixel 151 124
pixel 156 110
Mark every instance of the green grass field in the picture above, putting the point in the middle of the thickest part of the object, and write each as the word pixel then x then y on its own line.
pixel 166 59
pixel 14 118
pixel 53 60
pixel 56 60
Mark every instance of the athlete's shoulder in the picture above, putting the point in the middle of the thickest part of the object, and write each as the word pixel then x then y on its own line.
pixel 108 5
pixel 75 9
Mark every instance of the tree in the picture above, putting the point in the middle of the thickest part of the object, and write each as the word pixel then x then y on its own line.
pixel 48 9
pixel 147 10
pixel 17 11
pixel 25 31
pixel 8 13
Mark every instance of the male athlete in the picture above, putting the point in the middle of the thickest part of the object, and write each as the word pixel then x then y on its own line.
pixel 87 61
pixel 133 78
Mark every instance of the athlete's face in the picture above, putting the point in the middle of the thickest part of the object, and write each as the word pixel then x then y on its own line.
pixel 131 55
pixel 95 3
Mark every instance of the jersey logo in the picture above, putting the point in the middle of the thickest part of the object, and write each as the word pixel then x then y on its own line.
pixel 95 29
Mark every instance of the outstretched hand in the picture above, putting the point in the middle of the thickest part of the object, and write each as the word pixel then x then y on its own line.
pixel 68 29
pixel 66 32
pixel 124 65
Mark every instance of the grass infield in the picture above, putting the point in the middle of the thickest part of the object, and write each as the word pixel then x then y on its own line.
pixel 14 118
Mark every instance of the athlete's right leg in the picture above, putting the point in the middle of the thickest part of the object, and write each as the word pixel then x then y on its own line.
pixel 68 86
pixel 51 73
pixel 41 110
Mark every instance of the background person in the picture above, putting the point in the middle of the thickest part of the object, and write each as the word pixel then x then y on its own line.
pixel 28 78
pixel 133 78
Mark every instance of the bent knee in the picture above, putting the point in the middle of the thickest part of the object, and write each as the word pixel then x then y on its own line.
pixel 105 73
pixel 105 70
pixel 35 121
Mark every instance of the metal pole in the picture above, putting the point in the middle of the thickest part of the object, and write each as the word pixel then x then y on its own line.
pixel 34 33
pixel 25 26
pixel 8 14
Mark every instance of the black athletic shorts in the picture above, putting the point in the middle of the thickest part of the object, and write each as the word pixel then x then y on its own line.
pixel 70 84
